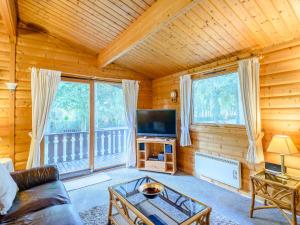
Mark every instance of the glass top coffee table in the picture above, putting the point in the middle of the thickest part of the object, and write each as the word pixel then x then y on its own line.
pixel 129 206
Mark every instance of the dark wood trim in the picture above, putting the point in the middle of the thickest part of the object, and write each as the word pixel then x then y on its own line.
pixel 73 79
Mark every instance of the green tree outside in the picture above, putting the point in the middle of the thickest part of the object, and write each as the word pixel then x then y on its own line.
pixel 217 100
pixel 71 107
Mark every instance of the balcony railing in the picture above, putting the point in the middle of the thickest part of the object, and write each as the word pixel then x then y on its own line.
pixel 74 145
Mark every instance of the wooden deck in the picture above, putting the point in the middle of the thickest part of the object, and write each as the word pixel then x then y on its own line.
pixel 83 164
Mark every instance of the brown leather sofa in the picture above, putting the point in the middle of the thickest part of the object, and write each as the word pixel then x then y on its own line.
pixel 42 199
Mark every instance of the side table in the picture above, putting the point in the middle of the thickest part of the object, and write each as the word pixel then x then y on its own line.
pixel 8 164
pixel 278 192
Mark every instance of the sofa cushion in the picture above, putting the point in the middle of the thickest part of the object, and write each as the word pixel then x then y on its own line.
pixel 30 178
pixel 59 214
pixel 37 198
pixel 8 190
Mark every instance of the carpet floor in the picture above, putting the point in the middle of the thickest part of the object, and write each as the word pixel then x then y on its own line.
pixel 98 216
pixel 85 181
pixel 224 203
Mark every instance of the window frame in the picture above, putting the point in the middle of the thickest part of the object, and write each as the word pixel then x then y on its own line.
pixel 223 72
pixel 91 81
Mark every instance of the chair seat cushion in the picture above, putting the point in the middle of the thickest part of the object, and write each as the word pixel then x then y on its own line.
pixel 59 214
pixel 37 198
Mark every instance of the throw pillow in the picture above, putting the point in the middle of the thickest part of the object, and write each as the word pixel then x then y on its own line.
pixel 8 190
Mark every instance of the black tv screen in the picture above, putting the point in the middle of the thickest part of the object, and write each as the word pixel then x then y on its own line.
pixel 161 123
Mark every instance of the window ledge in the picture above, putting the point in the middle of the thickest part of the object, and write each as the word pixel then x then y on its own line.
pixel 217 125
pixel 204 127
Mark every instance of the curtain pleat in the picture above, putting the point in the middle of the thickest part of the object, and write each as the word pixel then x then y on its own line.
pixel 248 71
pixel 130 90
pixel 44 84
pixel 185 109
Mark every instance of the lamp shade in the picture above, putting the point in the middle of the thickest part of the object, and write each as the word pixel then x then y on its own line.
pixel 282 144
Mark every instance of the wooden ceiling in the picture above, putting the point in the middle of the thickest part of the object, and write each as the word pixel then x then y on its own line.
pixel 209 30
pixel 214 29
pixel 91 23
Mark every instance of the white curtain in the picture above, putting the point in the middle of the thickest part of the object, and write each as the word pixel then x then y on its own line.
pixel 248 71
pixel 185 109
pixel 44 84
pixel 130 91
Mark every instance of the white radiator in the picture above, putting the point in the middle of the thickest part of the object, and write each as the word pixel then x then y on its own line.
pixel 224 170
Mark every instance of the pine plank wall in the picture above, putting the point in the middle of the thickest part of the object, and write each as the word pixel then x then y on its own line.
pixel 280 102
pixel 44 51
pixel 5 54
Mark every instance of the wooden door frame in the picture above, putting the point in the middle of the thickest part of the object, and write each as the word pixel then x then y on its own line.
pixel 92 125
pixel 91 119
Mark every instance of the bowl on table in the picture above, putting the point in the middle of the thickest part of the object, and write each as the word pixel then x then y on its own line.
pixel 151 190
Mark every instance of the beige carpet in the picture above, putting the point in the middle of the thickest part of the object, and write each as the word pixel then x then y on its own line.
pixel 85 181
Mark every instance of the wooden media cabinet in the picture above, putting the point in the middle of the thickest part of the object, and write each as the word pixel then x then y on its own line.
pixel 156 154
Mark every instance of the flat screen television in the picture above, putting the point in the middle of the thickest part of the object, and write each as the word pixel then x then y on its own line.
pixel 160 123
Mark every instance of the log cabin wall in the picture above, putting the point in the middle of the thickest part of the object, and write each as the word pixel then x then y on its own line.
pixel 5 131
pixel 280 77
pixel 280 98
pixel 44 51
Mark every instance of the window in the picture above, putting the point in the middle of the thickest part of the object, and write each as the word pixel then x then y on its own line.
pixel 66 140
pixel 217 100
pixel 110 125
pixel 72 127
pixel 70 108
pixel 109 106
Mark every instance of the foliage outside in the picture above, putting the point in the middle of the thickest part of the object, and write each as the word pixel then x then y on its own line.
pixel 217 100
pixel 71 107
pixel 109 106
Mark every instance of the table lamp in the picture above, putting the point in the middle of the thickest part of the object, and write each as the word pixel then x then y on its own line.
pixel 283 145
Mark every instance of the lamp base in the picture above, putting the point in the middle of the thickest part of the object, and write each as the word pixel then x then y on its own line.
pixel 283 172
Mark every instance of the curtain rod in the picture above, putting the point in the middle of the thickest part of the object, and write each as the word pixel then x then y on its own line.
pixel 216 69
pixel 86 77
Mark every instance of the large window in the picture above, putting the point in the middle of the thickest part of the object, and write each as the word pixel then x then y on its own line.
pixel 78 138
pixel 217 100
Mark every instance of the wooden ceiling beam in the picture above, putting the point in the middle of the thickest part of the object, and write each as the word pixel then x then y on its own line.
pixel 9 16
pixel 157 16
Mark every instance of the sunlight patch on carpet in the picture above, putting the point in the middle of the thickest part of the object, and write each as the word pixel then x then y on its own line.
pixel 85 181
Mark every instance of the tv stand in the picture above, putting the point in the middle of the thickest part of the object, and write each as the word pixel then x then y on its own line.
pixel 156 154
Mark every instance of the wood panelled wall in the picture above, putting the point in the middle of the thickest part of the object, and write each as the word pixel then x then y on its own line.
pixel 44 51
pixel 280 102
pixel 5 131
pixel 280 98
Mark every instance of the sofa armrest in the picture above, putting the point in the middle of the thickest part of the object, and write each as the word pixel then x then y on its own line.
pixel 26 179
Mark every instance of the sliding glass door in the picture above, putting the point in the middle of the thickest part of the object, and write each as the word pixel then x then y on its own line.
pixel 110 126
pixel 67 135
pixel 86 127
